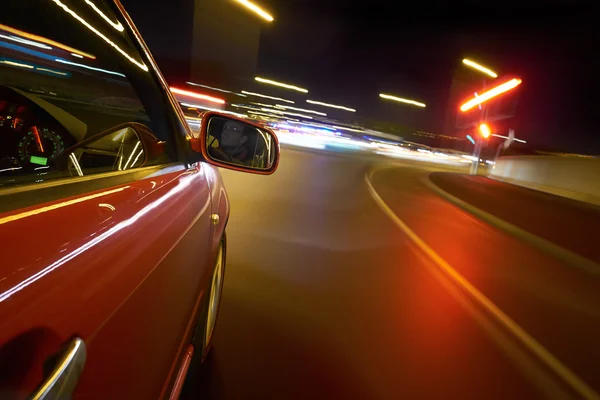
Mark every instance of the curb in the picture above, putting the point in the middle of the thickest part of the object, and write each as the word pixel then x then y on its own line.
pixel 542 244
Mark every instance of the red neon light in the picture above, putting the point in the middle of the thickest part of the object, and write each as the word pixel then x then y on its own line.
pixel 197 95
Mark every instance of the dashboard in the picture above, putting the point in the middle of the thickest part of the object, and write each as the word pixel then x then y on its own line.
pixel 30 138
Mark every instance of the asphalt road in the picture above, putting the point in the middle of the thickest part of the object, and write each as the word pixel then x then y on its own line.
pixel 333 291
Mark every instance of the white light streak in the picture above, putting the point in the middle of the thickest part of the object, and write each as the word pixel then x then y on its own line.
pixel 16 64
pixel 280 84
pixel 253 7
pixel 480 68
pixel 88 67
pixel 300 109
pixel 141 65
pixel 25 41
pixel 331 105
pixel 267 97
pixel 117 25
pixel 401 100
pixel 217 89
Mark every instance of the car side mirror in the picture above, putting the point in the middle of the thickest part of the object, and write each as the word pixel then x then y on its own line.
pixel 234 143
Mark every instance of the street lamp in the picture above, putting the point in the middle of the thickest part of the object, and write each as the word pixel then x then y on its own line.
pixel 485 131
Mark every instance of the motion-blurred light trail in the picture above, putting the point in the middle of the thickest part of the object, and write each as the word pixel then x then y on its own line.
pixel 331 105
pixel 42 39
pixel 217 89
pixel 267 97
pixel 490 94
pixel 197 95
pixel 256 9
pixel 506 137
pixel 300 109
pixel 191 105
pixel 480 68
pixel 280 84
pixel 401 100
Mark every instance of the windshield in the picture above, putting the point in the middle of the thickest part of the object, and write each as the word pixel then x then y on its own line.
pixel 68 71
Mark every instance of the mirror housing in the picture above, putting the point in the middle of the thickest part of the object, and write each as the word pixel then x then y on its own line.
pixel 235 143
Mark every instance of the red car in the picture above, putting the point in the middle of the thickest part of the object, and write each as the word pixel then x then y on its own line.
pixel 112 212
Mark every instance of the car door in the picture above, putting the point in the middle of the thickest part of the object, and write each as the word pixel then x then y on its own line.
pixel 104 229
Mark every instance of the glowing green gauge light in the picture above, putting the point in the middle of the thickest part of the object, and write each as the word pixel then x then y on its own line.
pixel 38 160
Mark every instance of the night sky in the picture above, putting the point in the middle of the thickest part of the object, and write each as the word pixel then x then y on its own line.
pixel 348 52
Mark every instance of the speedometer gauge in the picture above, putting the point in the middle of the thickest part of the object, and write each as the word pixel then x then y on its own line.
pixel 40 145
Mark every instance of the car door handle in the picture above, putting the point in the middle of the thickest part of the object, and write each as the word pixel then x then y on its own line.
pixel 63 379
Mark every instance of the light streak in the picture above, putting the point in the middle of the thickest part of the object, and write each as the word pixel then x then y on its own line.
pixel 60 60
pixel 217 89
pixel 141 65
pixel 117 25
pixel 480 68
pixel 25 41
pixel 299 109
pixel 280 84
pixel 47 41
pixel 401 100
pixel 197 95
pixel 267 97
pixel 259 11
pixel 331 105
pixel 490 94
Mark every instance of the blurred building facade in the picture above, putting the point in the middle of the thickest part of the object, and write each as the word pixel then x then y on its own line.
pixel 211 42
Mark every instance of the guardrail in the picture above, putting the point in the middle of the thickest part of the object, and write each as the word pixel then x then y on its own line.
pixel 573 177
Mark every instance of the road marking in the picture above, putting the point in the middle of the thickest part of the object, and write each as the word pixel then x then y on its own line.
pixel 571 258
pixel 553 363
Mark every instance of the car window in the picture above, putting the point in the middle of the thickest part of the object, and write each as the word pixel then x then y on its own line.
pixel 70 78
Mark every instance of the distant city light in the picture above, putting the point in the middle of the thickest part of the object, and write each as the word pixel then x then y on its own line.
pixel 253 7
pixel 280 84
pixel 480 68
pixel 331 105
pixel 401 100
pixel 300 109
pixel 197 95
pixel 267 97
pixel 505 87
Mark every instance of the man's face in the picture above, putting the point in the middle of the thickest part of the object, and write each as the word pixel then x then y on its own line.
pixel 232 135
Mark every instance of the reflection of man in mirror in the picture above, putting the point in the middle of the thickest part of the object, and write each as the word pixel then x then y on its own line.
pixel 232 146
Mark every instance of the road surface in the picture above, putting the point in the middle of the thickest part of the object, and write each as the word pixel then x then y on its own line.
pixel 341 287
